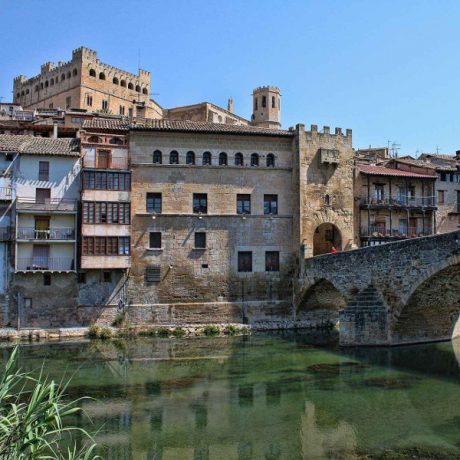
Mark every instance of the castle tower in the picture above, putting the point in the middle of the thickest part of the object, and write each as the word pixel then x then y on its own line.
pixel 266 107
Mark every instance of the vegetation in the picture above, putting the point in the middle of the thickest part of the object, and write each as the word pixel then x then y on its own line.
pixel 98 332
pixel 119 320
pixel 230 329
pixel 179 332
pixel 211 330
pixel 32 414
pixel 163 332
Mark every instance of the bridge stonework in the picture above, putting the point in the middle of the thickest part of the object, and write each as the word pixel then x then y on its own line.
pixel 402 292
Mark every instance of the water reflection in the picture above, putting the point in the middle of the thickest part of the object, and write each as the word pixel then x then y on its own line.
pixel 260 397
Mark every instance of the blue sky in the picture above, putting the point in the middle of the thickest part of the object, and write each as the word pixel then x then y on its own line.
pixel 390 70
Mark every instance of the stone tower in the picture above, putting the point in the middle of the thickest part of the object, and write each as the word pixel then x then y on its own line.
pixel 266 107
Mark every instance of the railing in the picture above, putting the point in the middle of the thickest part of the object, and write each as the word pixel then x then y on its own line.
pixel 47 204
pixel 5 233
pixel 45 263
pixel 31 233
pixel 418 201
pixel 5 193
pixel 382 232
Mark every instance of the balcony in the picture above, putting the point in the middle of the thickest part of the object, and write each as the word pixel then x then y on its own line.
pixel 377 231
pixel 329 156
pixel 399 201
pixel 31 264
pixel 5 233
pixel 31 233
pixel 5 193
pixel 47 204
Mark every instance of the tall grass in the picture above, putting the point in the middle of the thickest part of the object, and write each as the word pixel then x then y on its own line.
pixel 33 413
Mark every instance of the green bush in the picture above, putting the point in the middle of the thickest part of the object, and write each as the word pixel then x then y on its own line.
pixel 163 332
pixel 148 333
pixel 106 333
pixel 33 414
pixel 211 330
pixel 230 329
pixel 179 332
pixel 119 319
pixel 95 331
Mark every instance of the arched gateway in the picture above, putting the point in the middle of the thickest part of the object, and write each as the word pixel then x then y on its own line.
pixel 326 237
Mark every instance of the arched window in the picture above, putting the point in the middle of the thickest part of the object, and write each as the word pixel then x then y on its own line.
pixel 74 72
pixel 327 200
pixel 27 91
pixel 238 159
pixel 115 81
pixel 18 94
pixel 264 101
pixel 123 83
pixel 94 139
pixel 115 141
pixel 270 160
pixel 255 104
pixel 22 93
pixel 174 157
pixel 102 76
pixel 223 159
pixel 254 159
pixel 138 88
pixel 46 84
pixel 92 73
pixel 206 158
pixel 63 77
pixel 69 74
pixel 273 102
pixel 145 91
pixel 130 86
pixel 36 88
pixel 157 157
pixel 41 85
pixel 190 158
pixel 52 82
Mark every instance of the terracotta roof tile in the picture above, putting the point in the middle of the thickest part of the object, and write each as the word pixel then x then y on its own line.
pixel 382 171
pixel 111 124
pixel 40 145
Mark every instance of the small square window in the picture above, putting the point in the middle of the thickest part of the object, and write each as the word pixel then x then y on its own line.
pixel 155 240
pixel 47 279
pixel 200 240
pixel 107 277
pixel 272 261
pixel 200 203
pixel 81 278
pixel 245 261
pixel 152 274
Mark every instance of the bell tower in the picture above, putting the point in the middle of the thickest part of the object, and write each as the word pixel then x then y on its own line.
pixel 266 108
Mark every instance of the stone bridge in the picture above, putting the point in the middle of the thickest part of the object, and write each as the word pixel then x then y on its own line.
pixel 402 292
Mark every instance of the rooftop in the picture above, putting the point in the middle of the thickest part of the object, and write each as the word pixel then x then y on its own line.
pixel 382 171
pixel 110 124
pixel 40 145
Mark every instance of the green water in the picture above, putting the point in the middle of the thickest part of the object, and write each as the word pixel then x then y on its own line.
pixel 260 397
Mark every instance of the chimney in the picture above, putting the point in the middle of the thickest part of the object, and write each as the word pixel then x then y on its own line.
pixel 230 104
pixel 55 131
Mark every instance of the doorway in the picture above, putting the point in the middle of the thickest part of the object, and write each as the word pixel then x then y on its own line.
pixel 326 237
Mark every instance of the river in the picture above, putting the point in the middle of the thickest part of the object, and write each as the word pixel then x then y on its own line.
pixel 268 396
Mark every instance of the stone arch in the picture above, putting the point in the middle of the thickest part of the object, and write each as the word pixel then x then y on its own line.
pixel 326 237
pixel 321 296
pixel 432 310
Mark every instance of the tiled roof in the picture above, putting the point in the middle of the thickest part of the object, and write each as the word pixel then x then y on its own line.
pixel 205 127
pixel 40 145
pixel 441 156
pixel 419 163
pixel 382 171
pixel 110 124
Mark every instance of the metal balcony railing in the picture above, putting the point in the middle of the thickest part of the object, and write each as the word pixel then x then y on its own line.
pixel 5 233
pixel 45 263
pixel 31 233
pixel 418 201
pixel 47 204
pixel 6 193
pixel 383 232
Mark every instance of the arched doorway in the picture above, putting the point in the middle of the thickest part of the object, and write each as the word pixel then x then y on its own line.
pixel 326 236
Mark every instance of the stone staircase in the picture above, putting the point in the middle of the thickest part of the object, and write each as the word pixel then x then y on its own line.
pixel 367 297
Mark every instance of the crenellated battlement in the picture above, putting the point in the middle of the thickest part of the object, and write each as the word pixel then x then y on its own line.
pixel 327 132
pixel 83 53
pixel 266 88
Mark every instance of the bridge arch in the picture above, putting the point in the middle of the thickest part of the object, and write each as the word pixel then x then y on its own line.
pixel 433 307
pixel 326 237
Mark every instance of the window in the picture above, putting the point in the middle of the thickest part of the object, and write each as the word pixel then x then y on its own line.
pixel 74 72
pixel 254 159
pixel 95 212
pixel 123 83
pixel 200 240
pixel 157 157
pixel 89 101
pixel 206 158
pixel 47 279
pixel 78 120
pixel 245 261
pixel 190 158
pixel 256 105
pixel 152 274
pixel 115 80
pixel 106 246
pixel 63 77
pixel 270 204
pixel 92 73
pixel 443 177
pixel 441 196
pixel 223 159
pixel 272 261
pixel 44 170
pixel 103 159
pixel 130 86
pixel 153 201
pixel 52 82
pixel 105 105
pixel 104 180
pixel 9 156
pixel 115 141
pixel 238 159
pixel 273 102
pixel 130 112
pixel 101 76
pixel 94 139
pixel 69 74
pixel 270 160
pixel 145 91
pixel 155 240
pixel 68 102
pixel 46 84
pixel 379 192
pixel 81 278
pixel 42 195
pixel 327 200
pixel 200 203
pixel 174 157
pixel 243 204
pixel 107 277
pixel 264 101
pixel 138 88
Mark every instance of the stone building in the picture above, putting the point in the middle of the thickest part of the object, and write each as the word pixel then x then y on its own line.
pixel 85 82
